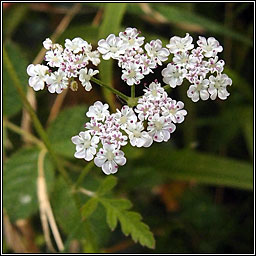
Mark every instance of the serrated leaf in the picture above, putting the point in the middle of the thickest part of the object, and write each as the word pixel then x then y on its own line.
pixel 68 123
pixel 111 218
pixel 107 184
pixel 11 100
pixel 121 204
pixel 131 224
pixel 20 183
pixel 89 207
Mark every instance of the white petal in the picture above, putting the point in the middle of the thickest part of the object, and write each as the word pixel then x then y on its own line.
pixel 31 70
pixel 88 156
pixel 76 140
pixel 120 160
pixel 99 161
pixel 80 154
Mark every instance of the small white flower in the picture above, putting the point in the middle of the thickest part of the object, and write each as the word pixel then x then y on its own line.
pixel 94 57
pixel 156 51
pixel 85 145
pixel 98 111
pixel 180 44
pixel 125 115
pixel 47 43
pixel 184 59
pixel 133 74
pixel 130 39
pixel 76 45
pixel 78 61
pixel 39 74
pixel 85 76
pixel 160 128
pixel 112 47
pixel 199 90
pixel 95 128
pixel 215 66
pixel 174 110
pixel 147 64
pixel 218 86
pixel 137 136
pixel 108 158
pixel 154 91
pixel 144 110
pixel 54 58
pixel 210 47
pixel 57 82
pixel 173 75
pixel 117 138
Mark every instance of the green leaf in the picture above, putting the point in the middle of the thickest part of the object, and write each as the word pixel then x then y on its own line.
pixel 20 183
pixel 11 100
pixel 93 229
pixel 113 14
pixel 131 224
pixel 65 213
pixel 179 15
pixel 68 124
pixel 89 207
pixel 200 167
pixel 107 184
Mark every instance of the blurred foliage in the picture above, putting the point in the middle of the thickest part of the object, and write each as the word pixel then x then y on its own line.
pixel 194 192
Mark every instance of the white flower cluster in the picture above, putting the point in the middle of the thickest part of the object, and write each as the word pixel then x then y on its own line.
pixel 132 58
pixel 155 116
pixel 194 64
pixel 64 65
pixel 153 119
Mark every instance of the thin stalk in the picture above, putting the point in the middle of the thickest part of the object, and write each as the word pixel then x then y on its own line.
pixel 167 87
pixel 84 172
pixel 86 192
pixel 133 91
pixel 121 95
pixel 37 124
pixel 22 132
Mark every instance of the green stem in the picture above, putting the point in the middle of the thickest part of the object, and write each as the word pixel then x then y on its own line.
pixel 167 87
pixel 20 131
pixel 84 172
pixel 38 126
pixel 133 91
pixel 121 95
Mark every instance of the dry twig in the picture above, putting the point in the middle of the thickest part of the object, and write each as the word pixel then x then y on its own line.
pixel 46 214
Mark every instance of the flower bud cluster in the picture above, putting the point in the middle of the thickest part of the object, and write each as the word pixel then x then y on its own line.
pixel 64 65
pixel 153 119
